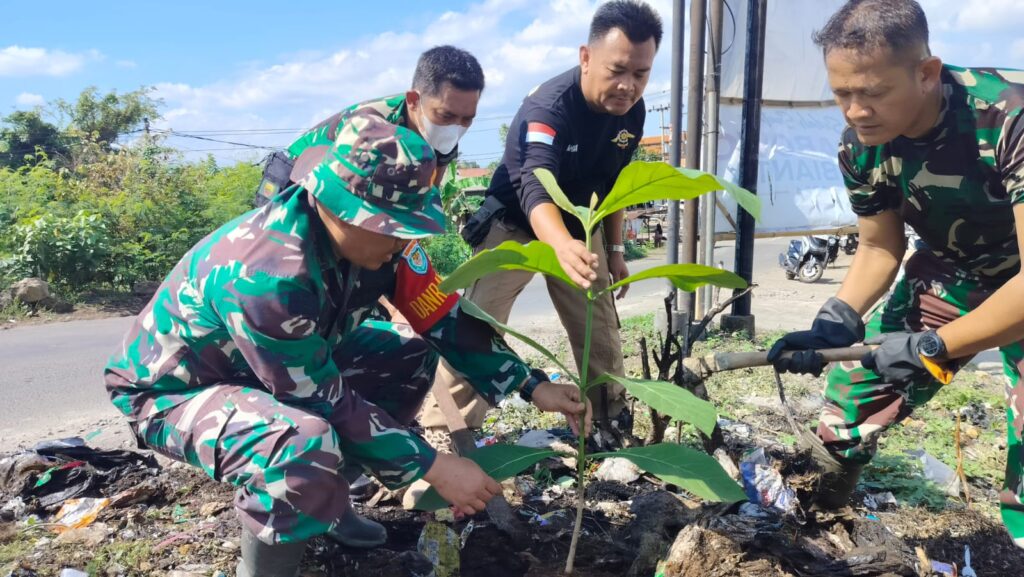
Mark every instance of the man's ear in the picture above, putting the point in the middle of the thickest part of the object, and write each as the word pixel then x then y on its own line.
pixel 412 99
pixel 584 58
pixel 930 72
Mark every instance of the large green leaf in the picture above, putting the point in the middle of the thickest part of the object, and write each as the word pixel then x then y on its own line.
pixel 474 311
pixel 692 470
pixel 534 256
pixel 642 182
pixel 499 461
pixel 669 399
pixel 687 277
pixel 550 184
pixel 743 197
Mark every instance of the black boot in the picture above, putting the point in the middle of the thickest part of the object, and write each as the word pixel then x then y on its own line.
pixel 839 476
pixel 262 560
pixel 354 530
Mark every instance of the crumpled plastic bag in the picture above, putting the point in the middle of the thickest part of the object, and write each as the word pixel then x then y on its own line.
pixel 765 486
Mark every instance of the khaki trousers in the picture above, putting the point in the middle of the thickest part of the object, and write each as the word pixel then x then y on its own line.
pixel 496 293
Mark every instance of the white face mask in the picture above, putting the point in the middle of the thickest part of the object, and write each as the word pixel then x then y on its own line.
pixel 441 138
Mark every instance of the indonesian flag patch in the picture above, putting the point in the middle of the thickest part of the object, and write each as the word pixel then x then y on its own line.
pixel 540 132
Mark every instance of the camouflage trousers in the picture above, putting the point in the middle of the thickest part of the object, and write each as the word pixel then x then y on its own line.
pixel 286 461
pixel 859 406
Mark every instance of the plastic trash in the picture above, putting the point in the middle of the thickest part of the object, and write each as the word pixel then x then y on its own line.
pixel 537 439
pixel 617 469
pixel 967 570
pixel 13 509
pixel 875 501
pixel 78 513
pixel 938 472
pixel 68 572
pixel 487 441
pixel 740 430
pixel 58 470
pixel 441 546
pixel 764 485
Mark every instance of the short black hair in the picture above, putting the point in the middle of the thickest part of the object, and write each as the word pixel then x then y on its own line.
pixel 637 20
pixel 899 25
pixel 448 64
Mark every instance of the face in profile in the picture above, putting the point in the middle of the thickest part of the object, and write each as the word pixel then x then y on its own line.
pixel 614 71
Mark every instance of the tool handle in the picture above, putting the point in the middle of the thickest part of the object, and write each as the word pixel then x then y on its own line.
pixel 729 361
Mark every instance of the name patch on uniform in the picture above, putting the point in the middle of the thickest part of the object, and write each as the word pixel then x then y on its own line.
pixel 622 138
pixel 417 294
pixel 540 132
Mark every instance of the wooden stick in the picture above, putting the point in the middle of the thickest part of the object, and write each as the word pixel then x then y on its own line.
pixel 700 368
pixel 960 462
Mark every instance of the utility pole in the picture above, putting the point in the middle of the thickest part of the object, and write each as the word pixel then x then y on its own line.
pixel 661 109
pixel 750 135
pixel 675 324
pixel 694 129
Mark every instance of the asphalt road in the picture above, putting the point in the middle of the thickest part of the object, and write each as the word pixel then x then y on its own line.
pixel 51 375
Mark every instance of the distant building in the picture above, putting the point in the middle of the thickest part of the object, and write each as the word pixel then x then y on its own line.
pixel 473 172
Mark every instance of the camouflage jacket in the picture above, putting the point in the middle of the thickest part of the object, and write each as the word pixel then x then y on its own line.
pixel 957 185
pixel 391 108
pixel 263 301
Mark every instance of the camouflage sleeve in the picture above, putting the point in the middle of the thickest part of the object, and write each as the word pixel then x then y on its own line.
pixel 272 321
pixel 864 177
pixel 1010 157
pixel 479 354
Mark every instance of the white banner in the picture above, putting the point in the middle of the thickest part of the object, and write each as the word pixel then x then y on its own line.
pixel 798 174
pixel 798 178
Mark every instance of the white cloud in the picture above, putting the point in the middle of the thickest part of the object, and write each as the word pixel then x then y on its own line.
pixel 126 64
pixel 519 43
pixel 984 15
pixel 21 61
pixel 29 99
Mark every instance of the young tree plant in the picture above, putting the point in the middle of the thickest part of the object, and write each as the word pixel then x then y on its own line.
pixel 690 469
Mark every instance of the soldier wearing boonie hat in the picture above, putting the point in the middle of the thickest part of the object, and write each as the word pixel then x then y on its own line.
pixel 259 362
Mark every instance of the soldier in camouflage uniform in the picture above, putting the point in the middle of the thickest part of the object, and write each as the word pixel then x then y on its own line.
pixel 256 360
pixel 939 148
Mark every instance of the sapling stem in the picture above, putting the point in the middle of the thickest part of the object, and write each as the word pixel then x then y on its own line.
pixel 581 458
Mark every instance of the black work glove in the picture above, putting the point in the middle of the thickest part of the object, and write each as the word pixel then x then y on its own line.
pixel 895 359
pixel 836 325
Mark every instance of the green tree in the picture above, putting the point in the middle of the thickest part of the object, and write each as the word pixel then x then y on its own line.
pixel 24 135
pixel 103 118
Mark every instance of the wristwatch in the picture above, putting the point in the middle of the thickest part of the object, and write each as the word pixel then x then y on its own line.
pixel 931 346
pixel 615 248
pixel 536 377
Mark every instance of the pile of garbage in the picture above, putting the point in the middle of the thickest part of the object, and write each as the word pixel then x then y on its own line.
pixel 69 509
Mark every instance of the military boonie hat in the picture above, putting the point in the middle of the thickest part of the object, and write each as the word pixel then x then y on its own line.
pixel 379 176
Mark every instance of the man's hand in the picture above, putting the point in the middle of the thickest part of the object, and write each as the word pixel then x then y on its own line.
pixel 462 483
pixel 617 267
pixel 564 398
pixel 577 261
pixel 895 359
pixel 836 325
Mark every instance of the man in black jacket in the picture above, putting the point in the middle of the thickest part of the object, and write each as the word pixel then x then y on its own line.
pixel 583 125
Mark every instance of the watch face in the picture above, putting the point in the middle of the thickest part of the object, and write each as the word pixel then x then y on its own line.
pixel 930 345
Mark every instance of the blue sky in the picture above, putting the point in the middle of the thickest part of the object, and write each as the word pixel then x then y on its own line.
pixel 248 72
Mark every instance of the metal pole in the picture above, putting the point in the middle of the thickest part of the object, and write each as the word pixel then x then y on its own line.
pixel 694 128
pixel 712 103
pixel 753 72
pixel 675 128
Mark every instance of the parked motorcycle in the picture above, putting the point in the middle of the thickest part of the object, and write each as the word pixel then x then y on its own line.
pixel 850 243
pixel 806 258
